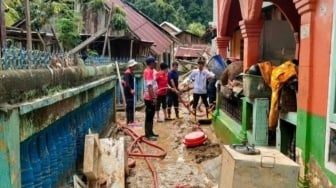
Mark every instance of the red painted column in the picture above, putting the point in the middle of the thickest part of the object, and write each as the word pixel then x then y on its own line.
pixel 223 44
pixel 306 9
pixel 251 30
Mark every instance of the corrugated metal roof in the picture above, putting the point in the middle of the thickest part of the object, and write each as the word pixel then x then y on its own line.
pixel 188 52
pixel 143 28
pixel 177 30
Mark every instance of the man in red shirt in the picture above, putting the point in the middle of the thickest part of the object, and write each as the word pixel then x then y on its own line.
pixel 150 90
pixel 162 82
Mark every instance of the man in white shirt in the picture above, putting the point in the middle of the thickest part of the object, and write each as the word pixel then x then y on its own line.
pixel 199 78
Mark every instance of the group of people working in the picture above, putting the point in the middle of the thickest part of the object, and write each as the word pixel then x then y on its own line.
pixel 161 91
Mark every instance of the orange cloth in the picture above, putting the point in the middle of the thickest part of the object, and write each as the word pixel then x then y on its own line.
pixel 276 77
pixel 266 71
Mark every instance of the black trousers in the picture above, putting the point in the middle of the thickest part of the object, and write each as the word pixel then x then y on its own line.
pixel 173 100
pixel 161 100
pixel 129 110
pixel 196 97
pixel 149 117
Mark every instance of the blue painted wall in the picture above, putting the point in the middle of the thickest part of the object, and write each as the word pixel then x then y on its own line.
pixel 51 156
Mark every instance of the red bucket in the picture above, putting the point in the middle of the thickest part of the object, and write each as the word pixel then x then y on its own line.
pixel 194 139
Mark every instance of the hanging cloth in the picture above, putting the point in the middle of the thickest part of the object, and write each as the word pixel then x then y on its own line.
pixel 276 77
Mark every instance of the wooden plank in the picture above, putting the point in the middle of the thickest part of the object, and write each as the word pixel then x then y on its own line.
pixel 108 30
pixel 78 183
pixel 91 156
pixel 120 85
pixel 88 40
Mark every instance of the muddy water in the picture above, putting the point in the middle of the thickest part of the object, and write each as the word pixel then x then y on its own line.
pixel 182 166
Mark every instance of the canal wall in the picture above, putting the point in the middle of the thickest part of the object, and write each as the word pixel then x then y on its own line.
pixel 44 116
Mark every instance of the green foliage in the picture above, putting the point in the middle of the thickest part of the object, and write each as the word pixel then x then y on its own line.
pixel 92 52
pixel 179 12
pixel 95 5
pixel 12 14
pixel 119 10
pixel 196 29
pixel 118 20
pixel 68 33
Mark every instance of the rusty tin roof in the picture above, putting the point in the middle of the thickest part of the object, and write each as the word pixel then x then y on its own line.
pixel 143 27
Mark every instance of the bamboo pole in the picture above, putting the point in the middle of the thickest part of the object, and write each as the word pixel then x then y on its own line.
pixel 108 30
pixel 41 39
pixel 120 84
pixel 28 27
pixel 57 41
pixel 88 41
pixel 131 49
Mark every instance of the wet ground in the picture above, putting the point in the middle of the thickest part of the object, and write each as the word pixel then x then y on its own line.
pixel 182 166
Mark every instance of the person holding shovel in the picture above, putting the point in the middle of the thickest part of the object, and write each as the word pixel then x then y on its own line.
pixel 128 85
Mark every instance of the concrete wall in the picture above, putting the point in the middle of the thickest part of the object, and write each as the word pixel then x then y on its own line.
pixel 38 106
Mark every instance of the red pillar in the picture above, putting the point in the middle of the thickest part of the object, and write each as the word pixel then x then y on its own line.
pixel 251 30
pixel 306 9
pixel 223 44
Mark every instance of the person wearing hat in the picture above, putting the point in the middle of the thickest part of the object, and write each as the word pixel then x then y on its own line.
pixel 150 98
pixel 128 85
pixel 199 78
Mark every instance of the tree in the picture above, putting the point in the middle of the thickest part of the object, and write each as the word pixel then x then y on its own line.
pixel 68 33
pixel 11 15
pixel 118 20
pixel 196 28
pixel 180 13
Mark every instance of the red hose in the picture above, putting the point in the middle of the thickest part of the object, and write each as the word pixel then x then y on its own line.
pixel 136 143
pixel 138 139
pixel 186 104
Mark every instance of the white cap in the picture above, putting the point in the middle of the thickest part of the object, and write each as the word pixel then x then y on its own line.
pixel 131 63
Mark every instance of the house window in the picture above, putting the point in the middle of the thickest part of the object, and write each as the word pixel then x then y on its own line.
pixel 330 146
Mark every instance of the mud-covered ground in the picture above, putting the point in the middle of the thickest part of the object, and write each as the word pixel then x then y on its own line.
pixel 182 166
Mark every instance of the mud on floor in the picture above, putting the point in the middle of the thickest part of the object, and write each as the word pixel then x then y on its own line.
pixel 182 166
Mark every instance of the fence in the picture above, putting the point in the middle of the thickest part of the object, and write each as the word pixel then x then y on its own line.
pixel 233 107
pixel 15 58
pixel 50 156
